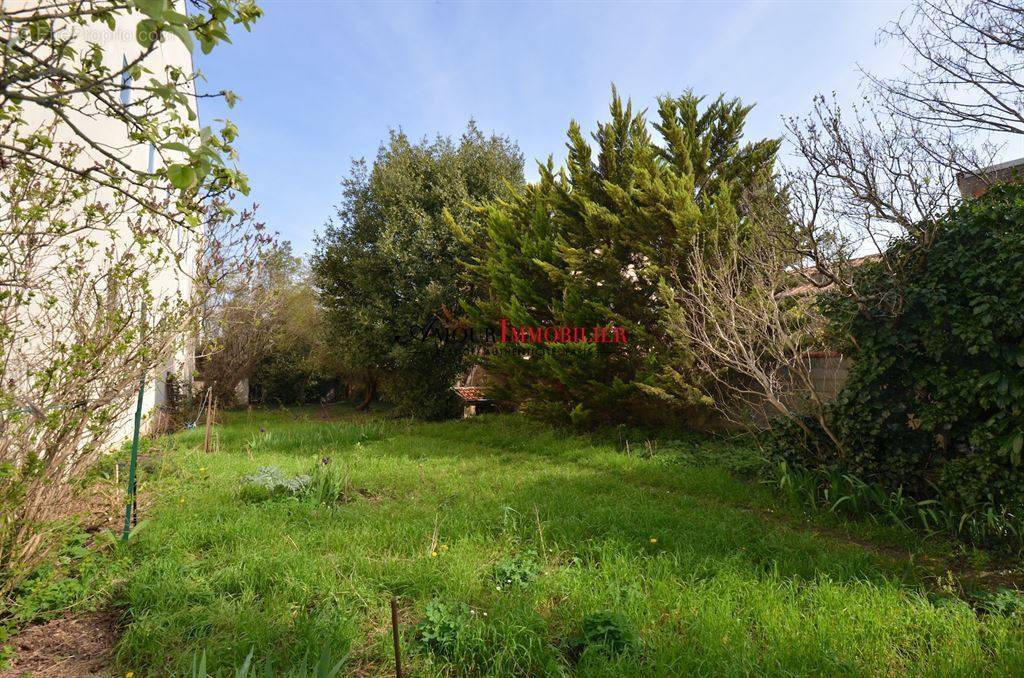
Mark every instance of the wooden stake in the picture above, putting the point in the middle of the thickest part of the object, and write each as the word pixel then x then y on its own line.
pixel 209 414
pixel 394 636
pixel 540 531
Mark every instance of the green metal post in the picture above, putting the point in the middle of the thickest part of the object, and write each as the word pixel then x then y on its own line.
pixel 134 462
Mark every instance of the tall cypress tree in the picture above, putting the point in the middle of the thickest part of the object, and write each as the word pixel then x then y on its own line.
pixel 592 243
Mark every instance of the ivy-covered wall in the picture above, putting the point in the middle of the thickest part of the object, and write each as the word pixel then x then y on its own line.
pixel 935 398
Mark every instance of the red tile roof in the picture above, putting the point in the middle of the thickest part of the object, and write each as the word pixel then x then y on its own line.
pixel 470 394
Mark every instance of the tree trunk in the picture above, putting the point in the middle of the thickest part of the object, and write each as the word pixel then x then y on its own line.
pixel 371 390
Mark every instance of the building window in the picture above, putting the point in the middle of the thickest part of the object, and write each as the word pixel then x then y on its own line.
pixel 126 82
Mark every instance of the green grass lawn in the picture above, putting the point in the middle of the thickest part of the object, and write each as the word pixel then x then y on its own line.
pixel 713 577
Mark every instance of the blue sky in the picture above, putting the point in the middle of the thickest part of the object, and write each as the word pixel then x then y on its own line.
pixel 322 81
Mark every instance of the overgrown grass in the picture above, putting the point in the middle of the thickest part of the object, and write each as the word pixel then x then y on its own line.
pixel 515 549
pixel 999 529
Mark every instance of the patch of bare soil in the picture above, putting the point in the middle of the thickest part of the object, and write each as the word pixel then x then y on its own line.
pixel 69 646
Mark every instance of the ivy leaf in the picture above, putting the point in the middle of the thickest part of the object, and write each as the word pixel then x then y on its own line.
pixel 182 176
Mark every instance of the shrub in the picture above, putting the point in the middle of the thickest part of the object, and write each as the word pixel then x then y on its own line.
pixel 606 632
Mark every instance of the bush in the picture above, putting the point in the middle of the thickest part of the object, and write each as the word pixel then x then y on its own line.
pixel 934 404
pixel 285 378
pixel 606 632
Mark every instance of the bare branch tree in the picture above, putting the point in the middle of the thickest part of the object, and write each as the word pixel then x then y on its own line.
pixel 864 176
pixel 966 66
pixel 241 320
pixel 752 338
pixel 884 170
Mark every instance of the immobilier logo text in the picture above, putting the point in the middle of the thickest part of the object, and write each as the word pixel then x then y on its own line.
pixel 507 333
pixel 561 334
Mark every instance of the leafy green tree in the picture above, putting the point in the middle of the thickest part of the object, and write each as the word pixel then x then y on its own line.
pixel 388 267
pixel 592 244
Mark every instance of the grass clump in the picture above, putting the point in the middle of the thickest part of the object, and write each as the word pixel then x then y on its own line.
pixel 324 667
pixel 328 484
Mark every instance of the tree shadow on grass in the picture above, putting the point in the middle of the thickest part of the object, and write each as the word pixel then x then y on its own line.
pixel 586 493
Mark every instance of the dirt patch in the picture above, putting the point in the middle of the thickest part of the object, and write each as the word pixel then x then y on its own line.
pixel 70 646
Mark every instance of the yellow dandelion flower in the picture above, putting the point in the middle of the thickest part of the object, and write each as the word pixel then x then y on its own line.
pixel 654 540
pixel 433 554
pixel 202 469
pixel 130 674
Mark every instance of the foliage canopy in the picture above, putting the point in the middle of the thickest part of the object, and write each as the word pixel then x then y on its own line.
pixel 389 265
pixel 592 244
